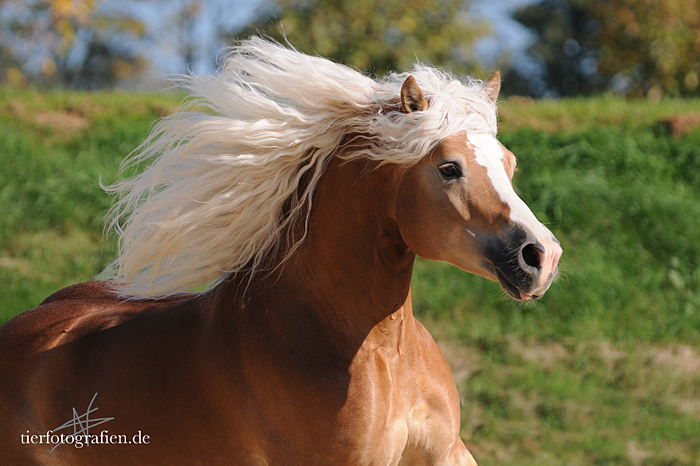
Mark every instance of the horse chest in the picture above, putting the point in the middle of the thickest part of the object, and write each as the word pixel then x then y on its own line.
pixel 394 415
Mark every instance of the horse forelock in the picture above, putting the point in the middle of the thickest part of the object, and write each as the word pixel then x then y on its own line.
pixel 238 164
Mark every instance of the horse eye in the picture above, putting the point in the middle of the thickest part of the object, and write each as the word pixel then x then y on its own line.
pixel 450 171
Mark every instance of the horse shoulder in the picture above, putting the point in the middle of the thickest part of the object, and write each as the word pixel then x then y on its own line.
pixel 434 420
pixel 431 353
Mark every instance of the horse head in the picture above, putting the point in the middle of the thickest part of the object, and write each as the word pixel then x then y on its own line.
pixel 458 205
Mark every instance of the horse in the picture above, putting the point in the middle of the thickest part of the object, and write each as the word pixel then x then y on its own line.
pixel 300 191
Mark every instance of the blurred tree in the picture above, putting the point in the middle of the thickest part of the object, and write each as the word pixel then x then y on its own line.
pixel 179 30
pixel 649 46
pixel 636 48
pixel 66 42
pixel 377 35
pixel 189 34
pixel 185 18
pixel 565 47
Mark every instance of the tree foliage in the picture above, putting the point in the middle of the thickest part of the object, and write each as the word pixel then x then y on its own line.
pixel 642 47
pixel 653 44
pixel 376 35
pixel 66 42
pixel 565 46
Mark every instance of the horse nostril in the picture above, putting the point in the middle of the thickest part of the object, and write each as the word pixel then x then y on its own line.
pixel 530 254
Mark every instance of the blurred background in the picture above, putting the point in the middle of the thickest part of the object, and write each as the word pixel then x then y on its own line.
pixel 543 48
pixel 600 103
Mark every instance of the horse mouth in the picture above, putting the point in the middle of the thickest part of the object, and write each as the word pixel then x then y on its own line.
pixel 512 290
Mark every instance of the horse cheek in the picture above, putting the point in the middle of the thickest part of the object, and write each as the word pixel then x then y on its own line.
pixel 420 217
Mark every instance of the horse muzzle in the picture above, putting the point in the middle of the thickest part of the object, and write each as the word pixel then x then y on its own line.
pixel 524 264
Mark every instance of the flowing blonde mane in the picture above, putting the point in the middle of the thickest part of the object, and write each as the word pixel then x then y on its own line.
pixel 224 175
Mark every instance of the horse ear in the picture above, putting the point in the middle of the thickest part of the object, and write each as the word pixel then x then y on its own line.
pixel 493 86
pixel 412 98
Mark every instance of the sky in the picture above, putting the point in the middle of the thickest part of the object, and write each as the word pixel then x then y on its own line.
pixel 508 37
pixel 226 14
pixel 162 45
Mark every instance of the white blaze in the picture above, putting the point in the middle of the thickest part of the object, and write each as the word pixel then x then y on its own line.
pixel 489 154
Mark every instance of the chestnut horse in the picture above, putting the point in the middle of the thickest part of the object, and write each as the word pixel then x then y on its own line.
pixel 305 350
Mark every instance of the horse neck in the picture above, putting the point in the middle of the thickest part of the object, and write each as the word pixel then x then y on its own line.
pixel 352 272
pixel 354 248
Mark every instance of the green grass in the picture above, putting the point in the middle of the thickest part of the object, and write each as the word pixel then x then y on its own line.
pixel 604 370
pixel 625 206
pixel 55 148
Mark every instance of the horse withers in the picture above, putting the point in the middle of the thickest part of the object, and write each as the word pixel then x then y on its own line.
pixel 304 190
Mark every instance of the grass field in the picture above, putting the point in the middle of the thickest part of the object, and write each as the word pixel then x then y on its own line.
pixel 604 370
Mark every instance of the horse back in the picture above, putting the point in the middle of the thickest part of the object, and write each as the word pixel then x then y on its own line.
pixel 76 343
pixel 74 312
pixel 104 291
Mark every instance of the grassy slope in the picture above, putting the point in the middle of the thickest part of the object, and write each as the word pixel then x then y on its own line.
pixel 54 147
pixel 604 370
